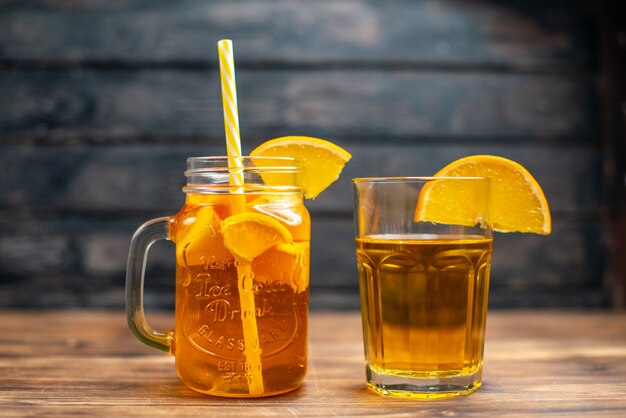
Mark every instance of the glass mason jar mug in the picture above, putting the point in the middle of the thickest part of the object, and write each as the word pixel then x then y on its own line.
pixel 242 277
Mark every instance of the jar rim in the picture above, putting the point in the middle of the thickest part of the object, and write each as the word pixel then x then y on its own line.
pixel 243 174
pixel 227 163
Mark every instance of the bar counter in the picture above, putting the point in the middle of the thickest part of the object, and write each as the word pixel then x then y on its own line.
pixel 86 363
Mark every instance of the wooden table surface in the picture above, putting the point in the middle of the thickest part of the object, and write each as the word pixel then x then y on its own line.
pixel 86 363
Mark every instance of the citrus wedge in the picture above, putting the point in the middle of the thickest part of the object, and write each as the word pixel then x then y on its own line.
pixel 199 234
pixel 285 263
pixel 322 161
pixel 247 235
pixel 517 202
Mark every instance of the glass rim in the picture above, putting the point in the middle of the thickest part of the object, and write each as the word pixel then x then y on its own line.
pixel 406 179
pixel 243 174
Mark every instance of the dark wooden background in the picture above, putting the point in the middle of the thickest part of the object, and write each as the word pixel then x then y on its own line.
pixel 101 102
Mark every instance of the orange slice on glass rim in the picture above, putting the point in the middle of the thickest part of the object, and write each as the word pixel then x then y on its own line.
pixel 321 160
pixel 517 202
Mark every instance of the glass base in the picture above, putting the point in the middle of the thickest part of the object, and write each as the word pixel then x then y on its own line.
pixel 409 386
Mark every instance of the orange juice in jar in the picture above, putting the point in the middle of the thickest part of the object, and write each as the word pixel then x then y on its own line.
pixel 242 278
pixel 242 267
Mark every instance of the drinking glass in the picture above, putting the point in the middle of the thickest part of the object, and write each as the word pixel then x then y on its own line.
pixel 423 287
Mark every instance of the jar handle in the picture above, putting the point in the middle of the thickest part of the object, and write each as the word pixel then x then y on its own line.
pixel 146 235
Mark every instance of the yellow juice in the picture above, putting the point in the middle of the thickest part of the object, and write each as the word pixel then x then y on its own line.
pixel 424 305
pixel 209 339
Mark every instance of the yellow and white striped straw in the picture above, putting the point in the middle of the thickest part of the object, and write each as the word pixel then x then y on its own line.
pixel 249 326
pixel 231 114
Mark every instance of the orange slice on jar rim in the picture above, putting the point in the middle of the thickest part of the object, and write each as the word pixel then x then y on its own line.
pixel 321 160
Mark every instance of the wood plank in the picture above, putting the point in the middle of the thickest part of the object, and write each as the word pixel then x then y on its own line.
pixel 89 364
pixel 500 298
pixel 370 105
pixel 432 32
pixel 571 256
pixel 138 178
pixel 613 40
pixel 564 269
pixel 74 262
pixel 570 176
